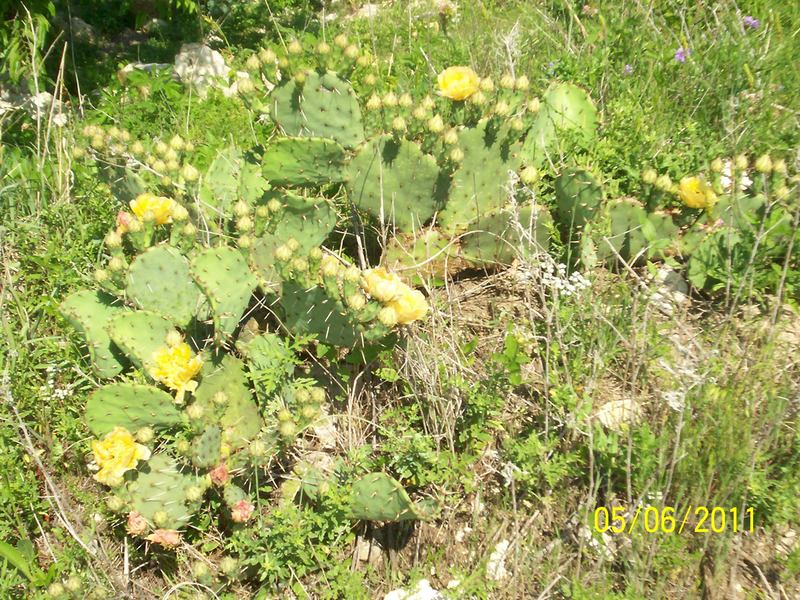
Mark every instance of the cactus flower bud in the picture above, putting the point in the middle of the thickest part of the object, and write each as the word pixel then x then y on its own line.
pixel 245 86
pixel 436 124
pixel 387 316
pixel 405 100
pixel 195 411
pixel 741 162
pixel 533 105
pixel 194 493
pixel 370 79
pixel 318 395
pixel 323 49
pixel 97 142
pixel 457 155
pixel 174 338
pixel 352 274
pixel 341 40
pixel 529 175
pixel 266 56
pixel 315 253
pixel 287 429
pixel 293 244
pixel 428 103
pixel 283 253
pixel 159 166
pixel 137 147
pixel 189 230
pixel 374 102
pixel 183 446
pixel 389 99
pixel 115 503
pixel 283 63
pixel 351 52
pixel 113 240
pixel 284 415
pixel 145 435
pixel 160 518
pixel 501 109
pixel 294 47
pixel 522 83
pixel 116 264
pixel 309 411
pixel 450 137
pixel 399 124
pixel 177 143
pixel 56 590
pixel 764 164
pixel 252 63
pixel 507 82
pixel 302 395
pixel 245 241
pixel 356 301
pixel 219 475
pixel 486 85
pixel 478 98
pixel 300 78
pixel 419 113
pixel 362 61
pixel 716 165
pixel 200 570
pixel 135 226
pixel 173 166
pixel 517 124
pixel 73 584
pixel 649 176
pixel 300 264
pixel 229 566
pixel 244 224
pixel 189 173
pixel 161 148
pixel 262 212
pixel 101 275
pixel 257 448
pixel 779 167
pixel 220 398
pixel 78 152
pixel 274 205
pixel 664 183
pixel 782 193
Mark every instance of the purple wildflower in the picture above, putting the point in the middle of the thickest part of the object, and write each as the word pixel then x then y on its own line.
pixel 628 69
pixel 681 54
pixel 751 22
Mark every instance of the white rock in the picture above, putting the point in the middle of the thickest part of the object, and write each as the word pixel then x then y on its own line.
pixel 422 591
pixel 201 67
pixel 616 413
pixel 496 566
pixel 368 11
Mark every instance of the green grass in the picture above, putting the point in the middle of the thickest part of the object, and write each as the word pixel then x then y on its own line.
pixel 492 407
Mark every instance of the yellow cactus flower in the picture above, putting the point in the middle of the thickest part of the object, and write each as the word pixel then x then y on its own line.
pixel 458 83
pixel 382 285
pixel 115 454
pixel 175 367
pixel 409 307
pixel 694 192
pixel 160 206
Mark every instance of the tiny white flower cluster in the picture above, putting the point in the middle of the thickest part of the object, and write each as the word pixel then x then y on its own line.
pixel 554 276
pixel 727 177
pixel 51 389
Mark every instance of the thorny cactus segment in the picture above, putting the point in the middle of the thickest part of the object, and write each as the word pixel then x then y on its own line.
pixel 379 497
pixel 303 161
pixel 132 406
pixel 139 334
pixel 502 236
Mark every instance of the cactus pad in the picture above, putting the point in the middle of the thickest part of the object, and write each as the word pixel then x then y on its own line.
pixel 225 278
pixel 324 106
pixel 161 487
pixel 206 448
pixel 303 161
pixel 634 234
pixel 89 312
pixel 428 252
pixel 313 311
pixel 393 180
pixel 578 198
pixel 230 178
pixel 500 237
pixel 159 281
pixel 139 334
pixel 481 183
pixel 131 406
pixel 378 497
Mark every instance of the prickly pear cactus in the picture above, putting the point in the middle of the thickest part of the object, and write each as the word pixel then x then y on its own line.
pixel 303 161
pixel 379 497
pixel 502 236
pixel 132 406
pixel 579 198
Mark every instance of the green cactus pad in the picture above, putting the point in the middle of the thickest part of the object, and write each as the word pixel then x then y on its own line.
pixel 379 497
pixel 313 311
pixel 233 494
pixel 139 334
pixel 206 448
pixel 303 161
pixel 238 415
pixel 307 220
pixel 131 406
pixel 160 486
pixel 225 278
pixel 325 106
pixel 567 114
pixel 481 183
pixel 578 199
pixel 393 180
pixel 89 312
pixel 159 280
pixel 230 178
pixel 500 237
pixel 634 235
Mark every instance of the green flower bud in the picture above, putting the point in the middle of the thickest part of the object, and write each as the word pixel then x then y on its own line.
pixel 183 446
pixel 529 175
pixel 283 253
pixel 274 205
pixel 173 166
pixel 478 98
pixel 389 100
pixel 177 143
pixel 318 395
pixel 166 181
pixel 405 100
pixel 113 132
pixel 507 82
pixel 717 165
pixel 302 395
pixel 253 64
pixel 194 493
pixel 73 584
pixel 97 142
pixel 244 224
pixel 229 566
pixel 428 103
pixel 370 79
pixel 741 162
pixel 436 124
pixel 764 164
pixel 487 85
pixel 160 518
pixel 309 411
pixel 356 301
pixel 294 47
pixel 115 503
pixel 220 398
pixel 195 411
pixel 399 124
pixel 341 40
pixel 283 63
pixel 323 49
pixel 161 148
pixel 292 244
pixel 300 78
pixel 189 230
pixel 387 316
pixel 116 264
pixel 664 183
pixel 159 166
pixel 352 274
pixel 782 193
pixel 56 590
pixel 257 448
pixel 351 52
pixel 419 113
pixel 501 109
pixel 266 56
pixel 78 152
pixel 246 86
pixel 262 212
pixel 779 167
pixel 374 102
pixel 113 240
pixel 457 155
pixel 284 415
pixel 300 264
pixel 450 137
pixel 533 105
pixel 245 241
pixel 517 124
pixel 101 275
pixel 145 435
pixel 649 176
pixel 287 429
pixel 200 570
pixel 522 83
pixel 189 173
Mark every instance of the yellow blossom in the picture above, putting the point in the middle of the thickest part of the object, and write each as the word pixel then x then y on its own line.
pixel 175 367
pixel 694 192
pixel 409 307
pixel 160 206
pixel 115 454
pixel 382 285
pixel 458 83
